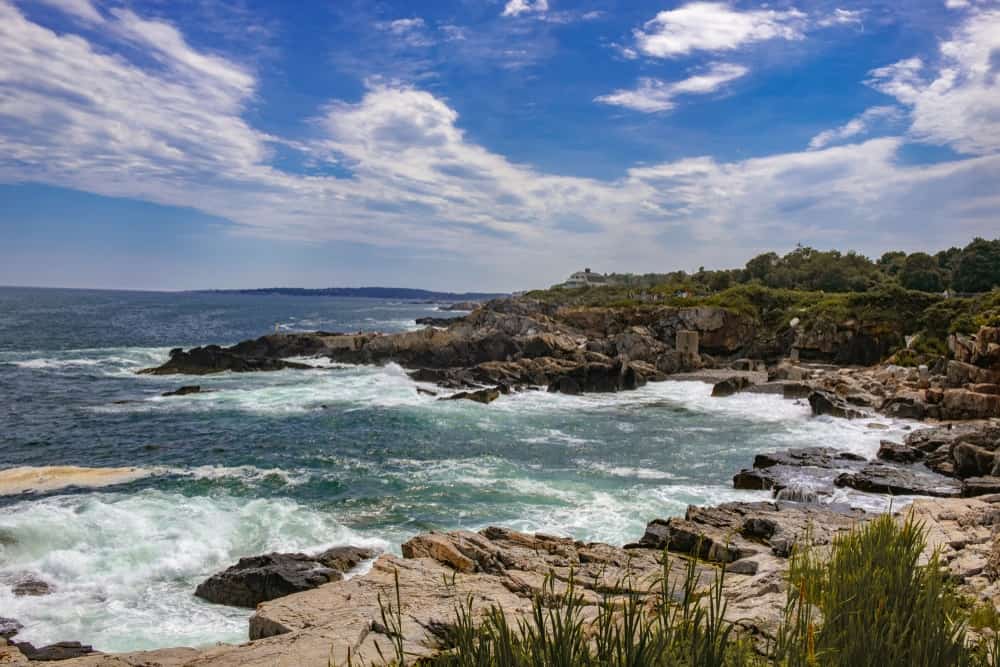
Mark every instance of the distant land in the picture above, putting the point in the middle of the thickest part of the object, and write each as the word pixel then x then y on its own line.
pixel 369 292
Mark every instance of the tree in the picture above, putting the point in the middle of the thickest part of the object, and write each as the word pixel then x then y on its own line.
pixel 921 272
pixel 977 269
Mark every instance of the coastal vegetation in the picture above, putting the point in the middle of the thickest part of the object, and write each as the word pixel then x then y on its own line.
pixel 869 599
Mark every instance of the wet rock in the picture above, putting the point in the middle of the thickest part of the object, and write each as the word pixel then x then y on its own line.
pixel 730 386
pixel 185 390
pixel 479 396
pixel 898 453
pixel 426 392
pixel 878 477
pixel 214 359
pixel 30 585
pixel 9 627
pixel 753 480
pixel 54 652
pixel 260 578
pixel 828 403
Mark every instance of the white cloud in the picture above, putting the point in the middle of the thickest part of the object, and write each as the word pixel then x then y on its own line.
pixel 81 9
pixel 856 126
pixel 174 131
pixel 956 101
pixel 841 17
pixel 410 31
pixel 714 26
pixel 653 95
pixel 518 7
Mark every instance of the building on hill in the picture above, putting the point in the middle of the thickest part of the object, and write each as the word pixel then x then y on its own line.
pixel 585 278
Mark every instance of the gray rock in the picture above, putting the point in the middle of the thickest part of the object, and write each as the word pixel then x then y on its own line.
pixel 9 627
pixel 260 578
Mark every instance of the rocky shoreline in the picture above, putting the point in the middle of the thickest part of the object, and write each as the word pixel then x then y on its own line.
pixel 308 613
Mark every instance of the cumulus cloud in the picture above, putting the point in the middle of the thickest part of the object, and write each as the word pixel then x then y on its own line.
pixel 171 128
pixel 654 95
pixel 714 26
pixel 955 101
pixel 518 7
pixel 854 127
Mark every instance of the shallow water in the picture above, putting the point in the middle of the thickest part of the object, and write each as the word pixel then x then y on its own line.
pixel 296 460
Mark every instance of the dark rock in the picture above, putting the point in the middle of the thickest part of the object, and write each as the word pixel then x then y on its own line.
pixel 980 486
pixel 798 494
pixel 753 480
pixel 426 392
pixel 879 477
pixel 54 652
pixel 479 396
pixel 260 578
pixel 184 391
pixel 29 585
pixel 904 407
pixel 438 321
pixel 827 403
pixel 972 460
pixel 898 453
pixel 9 627
pixel 214 359
pixel 730 386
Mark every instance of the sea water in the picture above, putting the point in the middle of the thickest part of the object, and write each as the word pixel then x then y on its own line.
pixel 302 460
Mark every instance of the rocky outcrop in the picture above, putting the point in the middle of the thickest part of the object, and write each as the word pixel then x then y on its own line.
pixel 827 403
pixel 214 359
pixel 848 343
pixel 260 578
pixel 818 470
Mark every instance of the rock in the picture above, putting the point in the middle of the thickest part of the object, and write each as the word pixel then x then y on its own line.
pixel 964 404
pixel 438 321
pixel 898 453
pixel 827 403
pixel 972 460
pixel 460 305
pixel 879 477
pixel 479 396
pixel 30 585
pixel 730 386
pixel 959 374
pixel 54 652
pixel 214 359
pixel 9 627
pixel 909 406
pixel 426 392
pixel 753 480
pixel 184 391
pixel 260 578
pixel 980 486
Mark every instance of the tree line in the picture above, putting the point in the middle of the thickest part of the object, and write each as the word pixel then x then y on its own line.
pixel 972 269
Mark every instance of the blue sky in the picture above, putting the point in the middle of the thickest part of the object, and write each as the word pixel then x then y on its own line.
pixel 484 144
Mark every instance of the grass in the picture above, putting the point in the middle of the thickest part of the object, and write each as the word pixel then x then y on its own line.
pixel 870 601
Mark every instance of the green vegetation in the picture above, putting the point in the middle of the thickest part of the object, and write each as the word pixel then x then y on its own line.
pixel 871 602
pixel 972 269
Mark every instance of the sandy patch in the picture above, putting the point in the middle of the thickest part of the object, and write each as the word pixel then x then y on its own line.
pixel 30 479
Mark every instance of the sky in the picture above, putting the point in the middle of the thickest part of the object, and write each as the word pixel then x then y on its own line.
pixel 484 144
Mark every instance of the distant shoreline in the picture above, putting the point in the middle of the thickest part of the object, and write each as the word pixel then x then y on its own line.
pixel 355 292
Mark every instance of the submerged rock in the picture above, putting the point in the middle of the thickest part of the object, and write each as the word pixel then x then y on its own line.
pixel 260 578
pixel 9 627
pixel 479 396
pixel 184 391
pixel 29 585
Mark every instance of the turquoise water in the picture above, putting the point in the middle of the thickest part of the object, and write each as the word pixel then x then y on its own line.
pixel 298 460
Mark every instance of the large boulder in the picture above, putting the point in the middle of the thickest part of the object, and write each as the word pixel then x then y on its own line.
pixel 827 403
pixel 260 578
pixel 54 652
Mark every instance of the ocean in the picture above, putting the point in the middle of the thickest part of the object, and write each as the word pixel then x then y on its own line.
pixel 302 460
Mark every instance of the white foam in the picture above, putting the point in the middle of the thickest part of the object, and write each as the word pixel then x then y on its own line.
pixel 124 567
